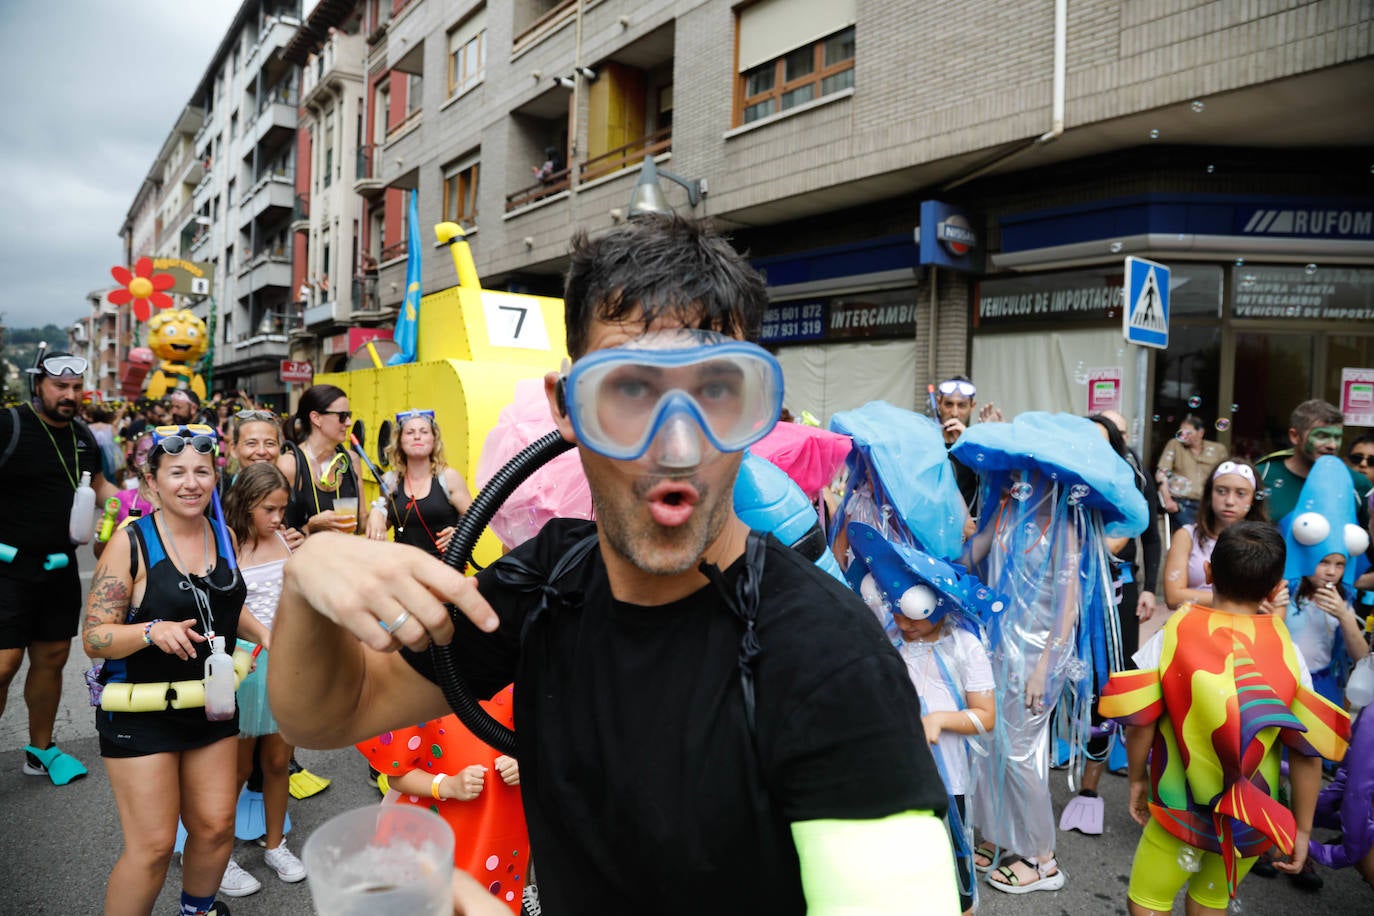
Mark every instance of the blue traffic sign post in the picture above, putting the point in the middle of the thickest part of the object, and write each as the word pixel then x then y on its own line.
pixel 1145 318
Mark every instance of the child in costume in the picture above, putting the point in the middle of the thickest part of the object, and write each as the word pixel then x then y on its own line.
pixel 1347 804
pixel 1221 690
pixel 931 602
pixel 254 510
pixel 1053 489
pixel 1323 544
pixel 442 766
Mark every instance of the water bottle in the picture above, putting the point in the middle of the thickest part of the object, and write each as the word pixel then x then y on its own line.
pixel 82 523
pixel 1359 689
pixel 219 682
pixel 107 521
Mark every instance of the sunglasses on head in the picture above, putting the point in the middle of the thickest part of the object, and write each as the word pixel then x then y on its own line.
pixel 957 386
pixel 246 415
pixel 173 439
pixel 406 415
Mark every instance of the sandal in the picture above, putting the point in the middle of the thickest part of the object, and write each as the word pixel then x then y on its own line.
pixel 1045 880
pixel 985 856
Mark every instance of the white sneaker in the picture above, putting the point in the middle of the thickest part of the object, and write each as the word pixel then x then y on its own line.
pixel 237 882
pixel 284 862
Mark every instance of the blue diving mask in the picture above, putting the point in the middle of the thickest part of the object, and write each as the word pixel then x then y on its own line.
pixel 620 399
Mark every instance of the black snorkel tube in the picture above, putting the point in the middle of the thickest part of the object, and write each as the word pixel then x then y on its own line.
pixel 469 529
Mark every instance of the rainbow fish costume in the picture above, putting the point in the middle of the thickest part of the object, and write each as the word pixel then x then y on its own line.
pixel 1226 695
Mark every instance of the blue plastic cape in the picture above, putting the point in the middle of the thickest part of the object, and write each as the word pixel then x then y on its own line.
pixel 900 465
pixel 1068 450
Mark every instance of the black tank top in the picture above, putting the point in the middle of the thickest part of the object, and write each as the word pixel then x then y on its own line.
pixel 307 498
pixel 418 522
pixel 167 596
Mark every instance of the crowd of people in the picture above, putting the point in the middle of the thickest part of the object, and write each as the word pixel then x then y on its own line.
pixel 706 718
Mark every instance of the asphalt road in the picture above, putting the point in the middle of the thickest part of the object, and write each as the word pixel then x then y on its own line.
pixel 57 845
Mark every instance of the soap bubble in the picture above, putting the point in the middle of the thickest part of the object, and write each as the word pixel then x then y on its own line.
pixel 1195 401
pixel 1155 418
pixel 1120 352
pixel 1180 435
pixel 1116 247
pixel 1169 418
pixel 1262 494
pixel 1278 483
pixel 1211 168
pixel 1180 485
pixel 1021 491
pixel 1030 530
pixel 1222 424
pixel 1235 907
pixel 1154 134
pixel 1189 860
pixel 1080 373
pixel 1077 671
pixel 1198 105
pixel 1310 269
pixel 1078 491
pixel 1240 262
pixel 1235 407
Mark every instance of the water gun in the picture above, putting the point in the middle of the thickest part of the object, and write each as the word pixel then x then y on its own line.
pixel 107 521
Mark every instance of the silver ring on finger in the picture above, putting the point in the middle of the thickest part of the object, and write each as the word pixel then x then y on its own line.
pixel 396 624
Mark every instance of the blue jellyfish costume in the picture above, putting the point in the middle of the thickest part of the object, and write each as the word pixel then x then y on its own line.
pixel 895 578
pixel 1052 488
pixel 1322 523
pixel 900 483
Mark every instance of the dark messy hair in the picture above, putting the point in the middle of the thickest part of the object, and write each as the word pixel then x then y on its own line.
pixel 1314 413
pixel 315 398
pixel 1247 561
pixel 654 266
pixel 253 484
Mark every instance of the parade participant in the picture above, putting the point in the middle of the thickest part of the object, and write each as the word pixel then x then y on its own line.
pixel 944 658
pixel 1227 497
pixel 442 766
pixel 255 436
pixel 1361 456
pixel 665 765
pixel 1322 544
pixel 44 450
pixel 150 615
pixel 316 463
pixel 1347 804
pixel 1314 429
pixel 425 497
pixel 954 403
pixel 1185 464
pixel 1054 492
pixel 183 406
pixel 1206 801
pixel 254 510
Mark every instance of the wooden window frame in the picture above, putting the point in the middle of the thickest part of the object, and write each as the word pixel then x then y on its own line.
pixel 459 182
pixel 457 86
pixel 819 72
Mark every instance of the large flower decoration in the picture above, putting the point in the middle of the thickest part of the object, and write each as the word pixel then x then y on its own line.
pixel 141 287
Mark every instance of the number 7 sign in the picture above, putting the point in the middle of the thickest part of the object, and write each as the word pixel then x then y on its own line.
pixel 514 321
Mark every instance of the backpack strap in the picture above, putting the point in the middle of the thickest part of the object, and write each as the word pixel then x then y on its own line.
pixel 14 438
pixel 745 605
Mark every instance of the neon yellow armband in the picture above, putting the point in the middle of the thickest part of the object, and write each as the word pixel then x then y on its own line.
pixel 876 866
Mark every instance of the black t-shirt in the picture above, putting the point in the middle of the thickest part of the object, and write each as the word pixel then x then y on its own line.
pixel 41 477
pixel 643 786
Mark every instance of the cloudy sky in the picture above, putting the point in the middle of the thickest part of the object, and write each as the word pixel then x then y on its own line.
pixel 94 89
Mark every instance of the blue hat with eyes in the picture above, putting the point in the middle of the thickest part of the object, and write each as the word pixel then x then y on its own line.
pixel 915 584
pixel 1323 522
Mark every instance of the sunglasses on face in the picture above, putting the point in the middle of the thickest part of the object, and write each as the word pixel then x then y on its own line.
pixel 957 386
pixel 343 415
pixel 1361 460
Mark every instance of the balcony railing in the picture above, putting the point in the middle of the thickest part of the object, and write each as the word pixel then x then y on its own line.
pixel 365 295
pixel 392 251
pixel 556 182
pixel 627 156
pixel 284 94
pixel 411 119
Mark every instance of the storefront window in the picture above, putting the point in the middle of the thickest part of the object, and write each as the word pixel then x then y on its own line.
pixel 1273 375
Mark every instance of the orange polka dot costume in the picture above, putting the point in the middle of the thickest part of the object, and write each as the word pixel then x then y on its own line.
pixel 491 842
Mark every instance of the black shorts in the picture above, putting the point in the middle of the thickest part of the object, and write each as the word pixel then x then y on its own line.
pixel 45 611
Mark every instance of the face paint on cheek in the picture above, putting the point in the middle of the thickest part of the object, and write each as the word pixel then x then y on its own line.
pixel 1323 437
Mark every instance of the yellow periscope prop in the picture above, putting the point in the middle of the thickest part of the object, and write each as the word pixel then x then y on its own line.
pixel 473 345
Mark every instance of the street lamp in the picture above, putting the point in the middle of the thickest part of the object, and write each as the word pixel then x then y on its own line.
pixel 648 196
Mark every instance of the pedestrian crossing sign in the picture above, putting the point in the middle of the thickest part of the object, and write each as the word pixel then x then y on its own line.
pixel 1145 318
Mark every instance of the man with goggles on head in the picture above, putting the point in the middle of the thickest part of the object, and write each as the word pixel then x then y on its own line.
pixel 44 450
pixel 706 721
pixel 953 401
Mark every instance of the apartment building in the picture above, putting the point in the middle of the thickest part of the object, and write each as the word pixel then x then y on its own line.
pixel 930 188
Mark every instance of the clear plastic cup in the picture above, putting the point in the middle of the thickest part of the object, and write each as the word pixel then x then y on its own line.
pixel 382 860
pixel 347 508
